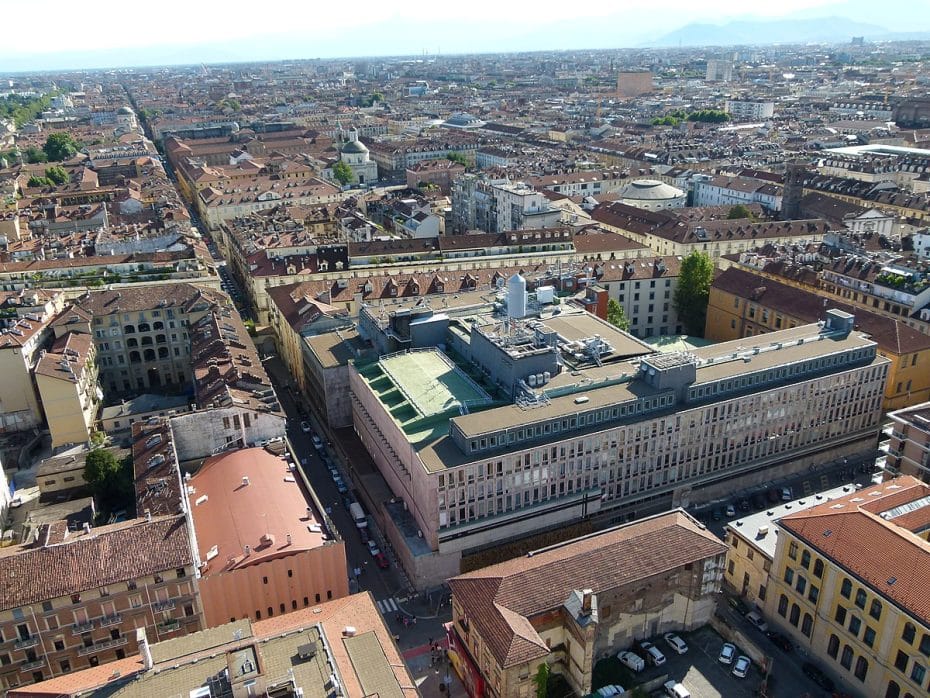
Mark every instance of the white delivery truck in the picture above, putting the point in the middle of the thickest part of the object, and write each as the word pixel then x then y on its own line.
pixel 358 515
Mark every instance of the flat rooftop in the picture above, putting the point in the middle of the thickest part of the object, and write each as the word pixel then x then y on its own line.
pixel 428 383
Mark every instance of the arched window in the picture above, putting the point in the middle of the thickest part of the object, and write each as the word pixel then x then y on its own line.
pixel 129 329
pixel 847 657
pixel 158 325
pixel 149 354
pixel 144 327
pixel 160 339
pixel 146 341
pixel 132 342
pixel 783 606
pixel 795 615
pixel 134 357
pixel 893 691
pixel 833 647
pixel 862 668
pixel 807 624
pixel 162 352
pixel 818 568
pixel 909 633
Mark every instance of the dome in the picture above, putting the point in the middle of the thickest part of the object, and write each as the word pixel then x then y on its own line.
pixel 126 110
pixel 649 190
pixel 463 120
pixel 354 147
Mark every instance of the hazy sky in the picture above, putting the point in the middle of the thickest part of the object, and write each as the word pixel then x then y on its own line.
pixel 102 30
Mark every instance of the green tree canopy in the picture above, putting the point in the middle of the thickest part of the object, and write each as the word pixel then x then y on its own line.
pixel 35 155
pixel 109 479
pixel 541 680
pixel 739 211
pixel 458 158
pixel 342 173
pixel 60 146
pixel 693 291
pixel 36 181
pixel 616 316
pixel 57 174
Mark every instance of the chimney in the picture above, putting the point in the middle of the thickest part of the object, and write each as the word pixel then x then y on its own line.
pixel 245 480
pixel 148 515
pixel 86 527
pixel 144 648
pixel 289 539
pixel 586 595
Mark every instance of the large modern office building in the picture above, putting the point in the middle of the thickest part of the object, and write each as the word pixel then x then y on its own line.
pixel 500 417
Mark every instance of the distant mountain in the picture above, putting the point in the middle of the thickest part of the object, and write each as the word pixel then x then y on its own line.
pixel 742 32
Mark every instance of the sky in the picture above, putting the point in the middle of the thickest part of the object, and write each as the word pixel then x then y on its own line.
pixel 111 32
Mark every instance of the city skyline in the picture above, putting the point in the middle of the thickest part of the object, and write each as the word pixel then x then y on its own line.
pixel 181 34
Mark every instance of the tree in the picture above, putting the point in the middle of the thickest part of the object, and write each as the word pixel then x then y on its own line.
pixel 739 211
pixel 693 291
pixel 35 155
pixel 541 680
pixel 342 173
pixel 109 479
pixel 60 146
pixel 458 158
pixel 36 181
pixel 616 316
pixel 58 174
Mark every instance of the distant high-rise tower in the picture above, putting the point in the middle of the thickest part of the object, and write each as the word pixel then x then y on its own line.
pixel 793 190
pixel 719 70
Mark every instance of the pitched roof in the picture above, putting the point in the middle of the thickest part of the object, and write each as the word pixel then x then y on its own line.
pixel 500 600
pixel 890 516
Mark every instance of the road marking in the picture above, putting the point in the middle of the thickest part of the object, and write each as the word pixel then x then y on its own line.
pixel 387 606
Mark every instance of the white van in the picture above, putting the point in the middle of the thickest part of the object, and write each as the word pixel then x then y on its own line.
pixel 358 515
pixel 631 660
pixel 673 689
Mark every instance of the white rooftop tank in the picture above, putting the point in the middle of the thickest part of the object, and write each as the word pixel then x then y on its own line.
pixel 516 296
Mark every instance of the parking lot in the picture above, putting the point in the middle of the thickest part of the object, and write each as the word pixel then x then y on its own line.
pixel 698 669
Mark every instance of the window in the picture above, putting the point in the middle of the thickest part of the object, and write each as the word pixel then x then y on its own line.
pixel 783 606
pixel 807 624
pixel 813 594
pixel 846 657
pixel 869 636
pixel 795 615
pixel 793 550
pixel 806 559
pixel 925 645
pixel 875 610
pixel 833 647
pixel 801 584
pixel 840 616
pixel 862 668
pixel 909 633
pixel 789 575
pixel 818 569
pixel 846 589
pixel 900 662
pixel 918 674
pixel 860 598
pixel 855 625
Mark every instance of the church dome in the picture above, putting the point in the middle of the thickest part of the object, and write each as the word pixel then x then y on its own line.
pixel 354 147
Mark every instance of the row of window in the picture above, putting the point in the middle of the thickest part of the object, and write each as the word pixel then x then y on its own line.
pixel 282 608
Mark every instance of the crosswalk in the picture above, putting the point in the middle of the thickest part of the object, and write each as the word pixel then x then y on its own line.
pixel 388 606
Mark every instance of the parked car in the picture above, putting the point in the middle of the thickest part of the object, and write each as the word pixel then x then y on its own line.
pixel 317 442
pixel 305 427
pixel 741 668
pixel 611 690
pixel 757 620
pixel 675 642
pixel 815 674
pixel 341 487
pixel 373 548
pixel 382 561
pixel 780 641
pixel 731 511
pixel 674 689
pixel 631 661
pixel 727 653
pixel 653 654
pixel 786 494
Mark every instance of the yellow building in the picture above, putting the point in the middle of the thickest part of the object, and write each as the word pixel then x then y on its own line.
pixel 745 304
pixel 849 584
pixel 20 345
pixel 66 378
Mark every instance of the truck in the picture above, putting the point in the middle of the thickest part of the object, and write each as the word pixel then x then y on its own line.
pixel 358 515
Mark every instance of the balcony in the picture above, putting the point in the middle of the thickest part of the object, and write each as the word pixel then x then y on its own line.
pixel 115 619
pixel 26 642
pixel 168 626
pixel 103 646
pixel 35 664
pixel 163 605
pixel 80 628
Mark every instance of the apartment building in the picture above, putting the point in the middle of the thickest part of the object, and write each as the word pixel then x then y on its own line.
pixel 66 379
pixel 513 445
pixel 732 191
pixel 21 344
pixel 141 334
pixel 499 205
pixel 74 599
pixel 340 647
pixel 260 561
pixel 571 604
pixel 749 110
pixel 861 611
pixel 909 443
pixel 744 304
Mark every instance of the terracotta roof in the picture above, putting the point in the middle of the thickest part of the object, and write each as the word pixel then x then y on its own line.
pixel 890 334
pixel 500 600
pixel 107 555
pixel 896 561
